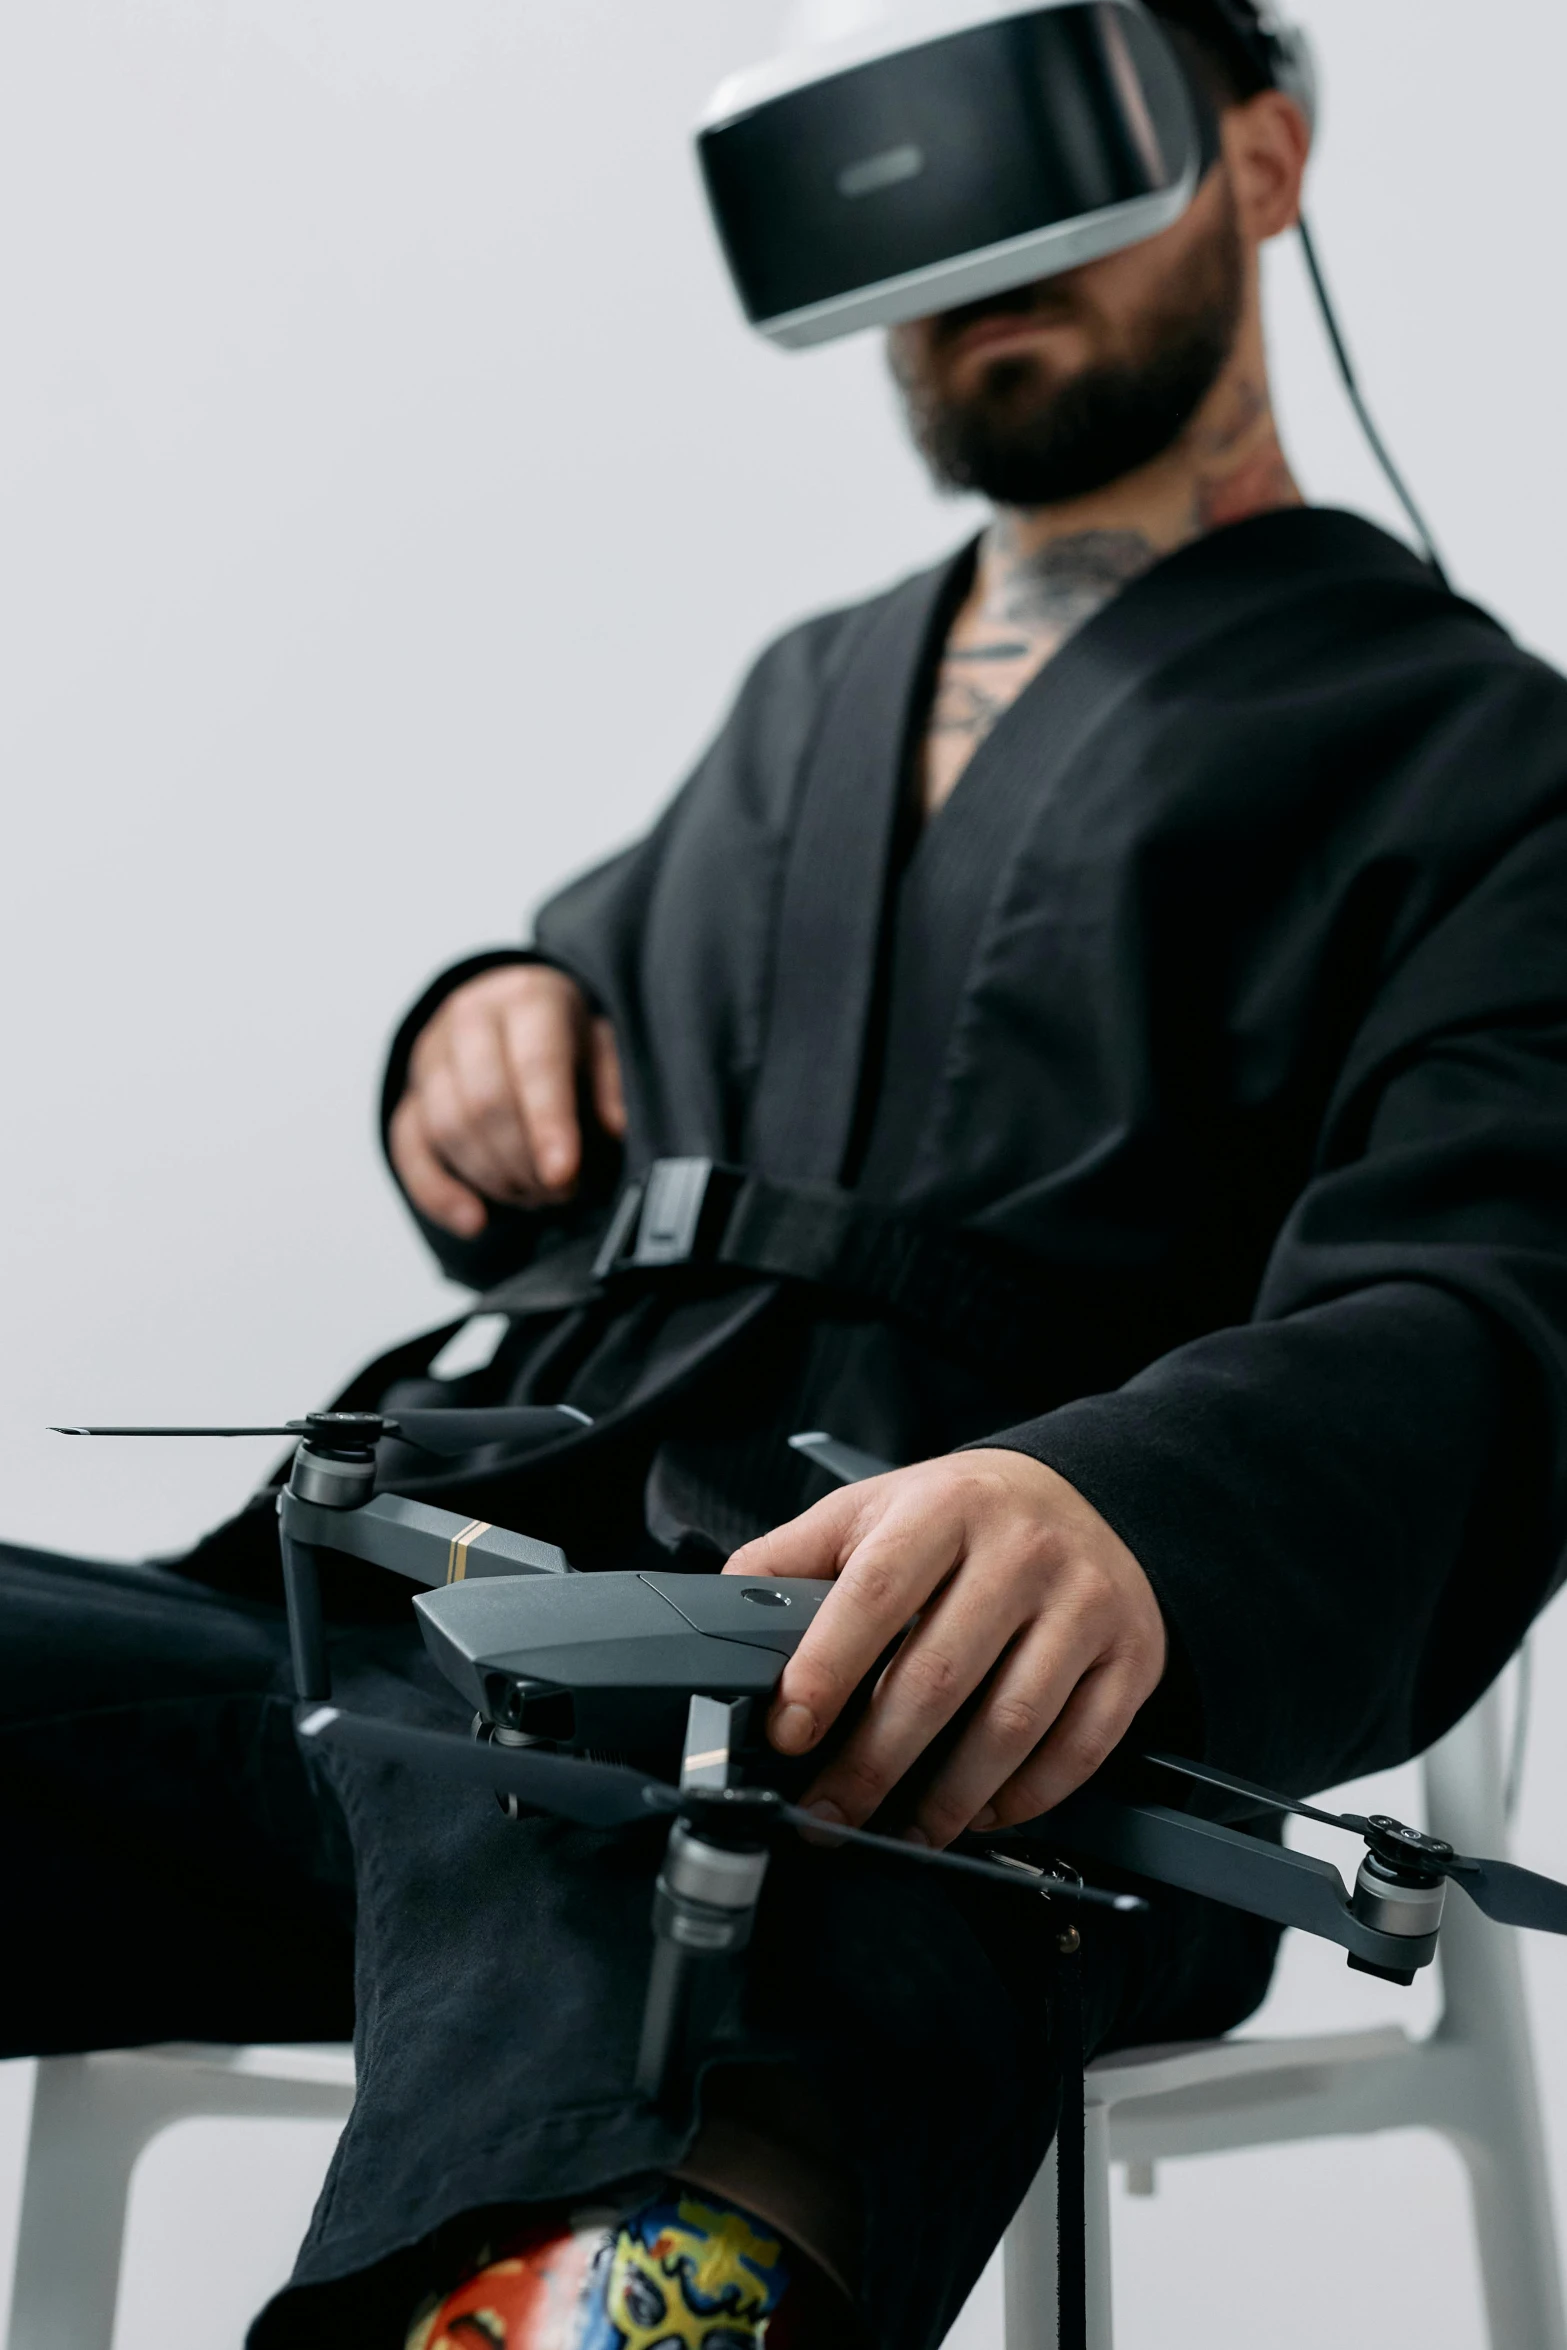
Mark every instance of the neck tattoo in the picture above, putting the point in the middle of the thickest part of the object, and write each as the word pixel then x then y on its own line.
pixel 1029 604
pixel 1029 599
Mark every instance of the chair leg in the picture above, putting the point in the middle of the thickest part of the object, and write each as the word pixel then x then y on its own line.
pixel 81 2150
pixel 1517 2257
pixel 1495 2120
pixel 1029 2266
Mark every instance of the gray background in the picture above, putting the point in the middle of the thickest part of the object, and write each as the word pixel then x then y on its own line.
pixel 389 501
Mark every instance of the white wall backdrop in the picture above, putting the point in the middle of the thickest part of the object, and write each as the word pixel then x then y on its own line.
pixel 389 500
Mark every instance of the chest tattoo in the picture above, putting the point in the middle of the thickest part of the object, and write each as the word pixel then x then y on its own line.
pixel 1024 610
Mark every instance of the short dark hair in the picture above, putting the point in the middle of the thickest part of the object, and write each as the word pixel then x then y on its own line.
pixel 1214 47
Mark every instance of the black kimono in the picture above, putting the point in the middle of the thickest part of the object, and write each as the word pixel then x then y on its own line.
pixel 1185 1106
pixel 1222 1013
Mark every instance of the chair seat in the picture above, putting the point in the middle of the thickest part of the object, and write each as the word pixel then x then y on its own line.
pixel 328 2066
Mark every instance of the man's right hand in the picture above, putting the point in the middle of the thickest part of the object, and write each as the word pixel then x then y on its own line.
pixel 491 1110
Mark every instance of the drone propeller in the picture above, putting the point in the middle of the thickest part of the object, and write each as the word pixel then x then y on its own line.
pixel 445 1434
pixel 1263 1797
pixel 594 1795
pixel 1509 1895
pixel 608 1795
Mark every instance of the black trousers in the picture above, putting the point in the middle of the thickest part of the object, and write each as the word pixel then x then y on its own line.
pixel 187 1878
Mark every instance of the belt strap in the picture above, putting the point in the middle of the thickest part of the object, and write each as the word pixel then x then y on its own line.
pixel 1071 2150
pixel 979 1296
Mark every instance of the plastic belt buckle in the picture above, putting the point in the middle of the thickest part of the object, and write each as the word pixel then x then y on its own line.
pixel 674 1216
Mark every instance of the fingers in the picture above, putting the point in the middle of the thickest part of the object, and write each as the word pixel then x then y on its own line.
pixel 544 1039
pixel 811 1548
pixel 992 1578
pixel 1092 1725
pixel 608 1090
pixel 942 1663
pixel 889 1545
pixel 491 1107
pixel 488 1136
pixel 435 1192
pixel 1043 1731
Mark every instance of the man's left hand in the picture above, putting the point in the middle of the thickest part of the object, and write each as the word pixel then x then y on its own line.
pixel 1010 1581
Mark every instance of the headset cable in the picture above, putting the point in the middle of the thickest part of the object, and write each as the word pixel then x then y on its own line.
pixel 1379 448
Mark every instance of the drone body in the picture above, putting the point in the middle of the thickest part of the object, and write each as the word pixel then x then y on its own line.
pixel 609 1663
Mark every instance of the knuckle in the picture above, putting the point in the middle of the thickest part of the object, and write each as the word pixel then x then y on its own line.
pixel 544 1069
pixel 860 1782
pixel 444 1122
pixel 1087 1746
pixel 491 1101
pixel 931 1679
pixel 470 1020
pixel 876 1586
pixel 1017 1723
pixel 815 1683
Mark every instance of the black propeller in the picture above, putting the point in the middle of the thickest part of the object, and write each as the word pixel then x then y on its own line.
pixel 445 1434
pixel 608 1795
pixel 1510 1895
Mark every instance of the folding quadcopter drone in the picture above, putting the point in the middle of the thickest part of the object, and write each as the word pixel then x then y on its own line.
pixel 565 1669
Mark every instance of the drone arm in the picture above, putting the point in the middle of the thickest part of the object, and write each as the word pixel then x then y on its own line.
pixel 428 1546
pixel 1199 1856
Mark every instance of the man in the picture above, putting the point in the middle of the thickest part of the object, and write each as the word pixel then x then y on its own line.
pixel 1128 966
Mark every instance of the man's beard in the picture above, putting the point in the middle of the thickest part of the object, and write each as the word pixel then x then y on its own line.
pixel 1021 438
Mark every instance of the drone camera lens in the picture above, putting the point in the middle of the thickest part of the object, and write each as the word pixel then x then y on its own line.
pixel 539 1711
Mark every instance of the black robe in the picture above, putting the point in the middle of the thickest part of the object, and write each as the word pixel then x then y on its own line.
pixel 1227 1000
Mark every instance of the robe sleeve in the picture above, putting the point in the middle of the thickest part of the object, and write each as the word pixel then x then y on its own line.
pixel 657 919
pixel 1353 1507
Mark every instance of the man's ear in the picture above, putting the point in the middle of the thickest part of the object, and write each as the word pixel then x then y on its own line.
pixel 1267 145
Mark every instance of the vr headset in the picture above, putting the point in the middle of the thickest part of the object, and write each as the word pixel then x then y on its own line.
pixel 941 151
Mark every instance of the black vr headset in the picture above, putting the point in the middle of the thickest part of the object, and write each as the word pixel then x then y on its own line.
pixel 954 149
pixel 911 156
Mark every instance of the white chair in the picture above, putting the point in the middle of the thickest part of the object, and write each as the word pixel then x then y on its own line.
pixel 92 2117
pixel 1472 2081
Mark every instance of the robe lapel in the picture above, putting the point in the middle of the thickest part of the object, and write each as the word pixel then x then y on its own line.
pixel 963 865
pixel 835 892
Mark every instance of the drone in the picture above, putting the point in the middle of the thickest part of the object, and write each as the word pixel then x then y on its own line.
pixel 585 1687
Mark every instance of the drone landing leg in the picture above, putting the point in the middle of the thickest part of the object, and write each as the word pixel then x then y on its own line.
pixel 306 1625
pixel 703 1909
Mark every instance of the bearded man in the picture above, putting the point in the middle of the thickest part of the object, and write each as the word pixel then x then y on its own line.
pixel 1114 989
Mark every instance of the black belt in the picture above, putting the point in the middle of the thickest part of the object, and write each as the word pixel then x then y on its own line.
pixel 687 1219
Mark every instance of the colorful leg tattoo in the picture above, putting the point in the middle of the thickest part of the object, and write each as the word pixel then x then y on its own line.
pixel 683 2272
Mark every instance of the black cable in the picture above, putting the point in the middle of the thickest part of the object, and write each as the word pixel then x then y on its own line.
pixel 1367 421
